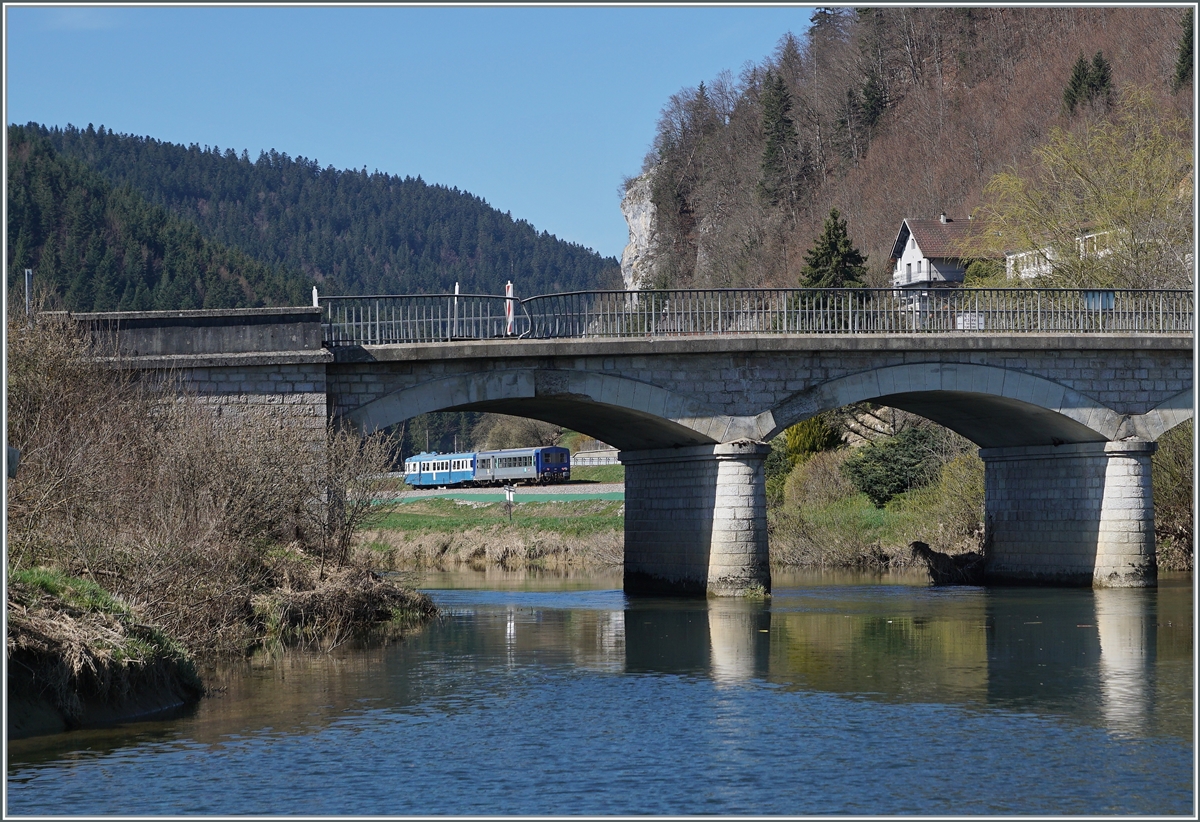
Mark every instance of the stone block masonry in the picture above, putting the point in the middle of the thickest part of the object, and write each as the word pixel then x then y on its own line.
pixel 696 520
pixel 1076 514
pixel 266 361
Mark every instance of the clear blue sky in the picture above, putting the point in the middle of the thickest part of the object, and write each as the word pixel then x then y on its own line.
pixel 539 110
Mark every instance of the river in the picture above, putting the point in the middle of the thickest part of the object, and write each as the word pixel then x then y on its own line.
pixel 535 694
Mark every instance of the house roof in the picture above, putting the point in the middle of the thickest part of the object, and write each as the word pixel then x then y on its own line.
pixel 935 238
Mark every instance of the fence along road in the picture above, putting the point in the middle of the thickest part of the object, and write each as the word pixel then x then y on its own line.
pixel 384 320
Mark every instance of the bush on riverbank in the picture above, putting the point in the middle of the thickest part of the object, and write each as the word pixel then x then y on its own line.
pixel 178 508
pixel 824 521
pixel 1171 474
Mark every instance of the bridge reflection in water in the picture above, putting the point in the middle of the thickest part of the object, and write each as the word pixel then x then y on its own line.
pixel 833 672
pixel 1094 655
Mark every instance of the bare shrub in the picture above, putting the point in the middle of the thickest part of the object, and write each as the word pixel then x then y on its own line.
pixel 175 504
pixel 819 480
pixel 1172 476
pixel 74 425
pixel 347 488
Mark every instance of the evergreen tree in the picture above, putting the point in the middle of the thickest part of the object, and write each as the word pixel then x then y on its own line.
pixel 779 132
pixel 1089 82
pixel 1183 65
pixel 1100 80
pixel 1076 91
pixel 874 100
pixel 833 262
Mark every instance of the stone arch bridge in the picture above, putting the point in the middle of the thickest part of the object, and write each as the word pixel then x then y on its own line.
pixel 1066 422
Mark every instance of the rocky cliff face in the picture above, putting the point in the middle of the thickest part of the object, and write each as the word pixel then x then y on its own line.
pixel 636 261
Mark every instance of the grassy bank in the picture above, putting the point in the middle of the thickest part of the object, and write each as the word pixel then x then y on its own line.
pixel 598 473
pixel 443 532
pixel 76 654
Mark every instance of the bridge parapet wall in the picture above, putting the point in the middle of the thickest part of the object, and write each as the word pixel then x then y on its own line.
pixel 234 360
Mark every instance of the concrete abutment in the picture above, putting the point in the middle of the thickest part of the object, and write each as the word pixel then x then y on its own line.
pixel 696 520
pixel 1073 514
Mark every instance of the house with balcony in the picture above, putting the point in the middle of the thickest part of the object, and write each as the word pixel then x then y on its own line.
pixel 1030 264
pixel 929 253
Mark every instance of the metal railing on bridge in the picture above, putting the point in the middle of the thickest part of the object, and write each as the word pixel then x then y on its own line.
pixel 601 314
pixel 382 320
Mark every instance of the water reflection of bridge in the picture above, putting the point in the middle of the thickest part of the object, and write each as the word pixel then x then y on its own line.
pixel 1094 655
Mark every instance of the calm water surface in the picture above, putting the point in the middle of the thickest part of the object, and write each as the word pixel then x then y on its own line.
pixel 541 695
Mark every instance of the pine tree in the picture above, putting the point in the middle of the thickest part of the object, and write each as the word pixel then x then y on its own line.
pixel 779 132
pixel 1076 91
pixel 1100 80
pixel 874 100
pixel 833 262
pixel 1183 65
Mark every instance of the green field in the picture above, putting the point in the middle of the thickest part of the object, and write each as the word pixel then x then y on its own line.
pixel 570 518
pixel 598 473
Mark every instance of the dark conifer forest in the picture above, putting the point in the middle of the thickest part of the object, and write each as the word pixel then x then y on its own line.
pixel 96 247
pixel 114 221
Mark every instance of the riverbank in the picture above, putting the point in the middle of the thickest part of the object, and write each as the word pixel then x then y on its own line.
pixel 77 656
pixel 438 532
pixel 80 657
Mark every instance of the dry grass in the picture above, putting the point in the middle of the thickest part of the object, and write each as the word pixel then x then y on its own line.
pixel 494 546
pixel 68 638
pixel 344 603
pixel 176 505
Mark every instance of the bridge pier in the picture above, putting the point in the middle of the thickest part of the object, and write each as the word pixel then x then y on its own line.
pixel 1076 514
pixel 696 520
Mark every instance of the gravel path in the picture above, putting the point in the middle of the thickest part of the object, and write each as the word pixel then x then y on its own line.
pixel 570 490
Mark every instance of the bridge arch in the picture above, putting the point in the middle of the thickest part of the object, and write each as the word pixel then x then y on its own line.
pixel 993 407
pixel 623 412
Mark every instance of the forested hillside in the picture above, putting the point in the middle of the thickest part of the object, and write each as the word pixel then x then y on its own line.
pixel 349 231
pixel 99 248
pixel 883 114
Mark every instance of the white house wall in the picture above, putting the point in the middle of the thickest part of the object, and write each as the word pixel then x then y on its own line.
pixel 939 270
pixel 911 256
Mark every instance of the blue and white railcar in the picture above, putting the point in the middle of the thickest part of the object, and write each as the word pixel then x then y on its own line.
pixel 436 469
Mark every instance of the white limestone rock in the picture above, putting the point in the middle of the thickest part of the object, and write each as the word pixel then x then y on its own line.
pixel 638 208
